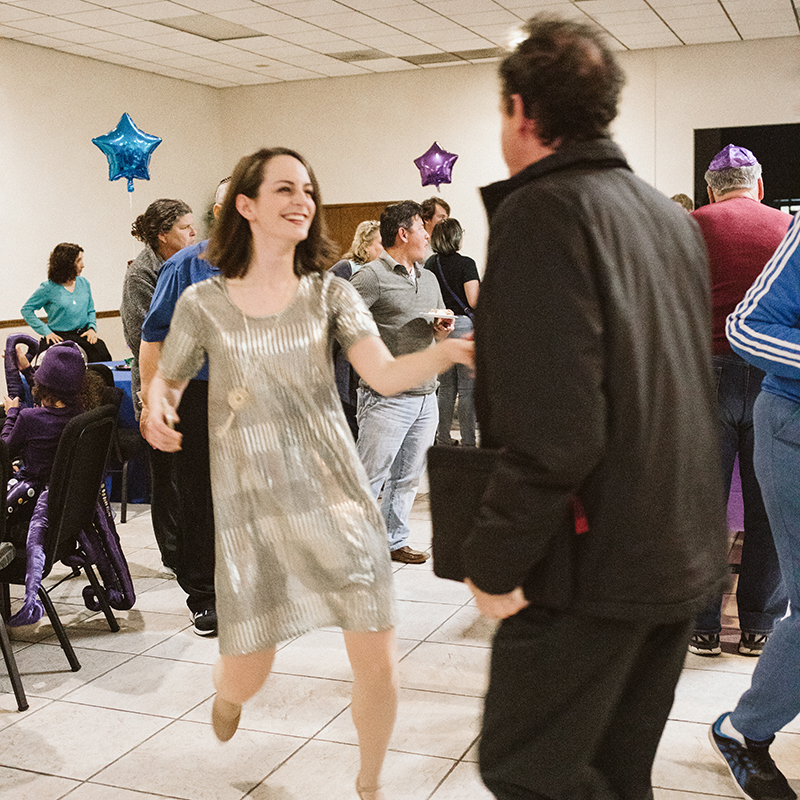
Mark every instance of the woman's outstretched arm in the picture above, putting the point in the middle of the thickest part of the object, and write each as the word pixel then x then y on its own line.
pixel 388 375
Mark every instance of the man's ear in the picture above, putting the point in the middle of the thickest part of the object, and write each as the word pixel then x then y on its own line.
pixel 711 198
pixel 760 189
pixel 402 235
pixel 244 205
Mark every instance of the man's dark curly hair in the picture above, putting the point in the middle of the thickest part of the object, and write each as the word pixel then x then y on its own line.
pixel 567 77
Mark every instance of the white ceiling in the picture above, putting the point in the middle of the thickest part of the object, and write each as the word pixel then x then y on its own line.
pixel 226 43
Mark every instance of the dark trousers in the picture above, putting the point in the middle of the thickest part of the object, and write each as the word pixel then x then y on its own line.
pixel 94 352
pixel 760 595
pixel 196 540
pixel 165 505
pixel 576 705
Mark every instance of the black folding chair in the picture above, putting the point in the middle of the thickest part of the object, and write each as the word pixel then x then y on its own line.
pixel 126 445
pixel 78 472
pixel 6 557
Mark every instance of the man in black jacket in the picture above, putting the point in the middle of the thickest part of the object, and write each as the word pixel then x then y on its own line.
pixel 600 396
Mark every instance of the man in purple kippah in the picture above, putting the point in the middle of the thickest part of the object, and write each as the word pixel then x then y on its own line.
pixel 741 233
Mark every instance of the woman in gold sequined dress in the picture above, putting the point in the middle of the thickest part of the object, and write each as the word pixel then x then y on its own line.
pixel 300 542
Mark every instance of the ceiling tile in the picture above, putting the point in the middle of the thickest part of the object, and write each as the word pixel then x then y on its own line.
pixel 118 45
pixel 79 50
pixel 293 74
pixel 760 17
pixel 710 35
pixel 160 10
pixel 99 18
pixel 497 17
pixel 735 6
pixel 258 44
pixel 610 6
pixel 205 48
pixel 38 39
pixel 398 13
pixel 83 35
pixel 308 8
pixel 55 7
pixel 498 30
pixel 45 25
pixel 450 7
pixel 341 20
pixel 695 10
pixel 414 26
pixel 170 38
pixel 160 55
pixel 385 65
pixel 370 5
pixel 215 6
pixel 626 17
pixel 415 48
pixel 136 30
pixel 766 32
pixel 312 37
pixel 11 14
pixel 245 16
pixel 280 26
pixel 646 42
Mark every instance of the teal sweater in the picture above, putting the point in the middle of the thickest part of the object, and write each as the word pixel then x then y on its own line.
pixel 66 311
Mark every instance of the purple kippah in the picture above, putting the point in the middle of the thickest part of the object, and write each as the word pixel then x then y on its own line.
pixel 731 157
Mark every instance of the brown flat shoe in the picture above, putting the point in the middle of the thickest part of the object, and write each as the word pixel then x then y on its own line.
pixel 408 556
pixel 225 718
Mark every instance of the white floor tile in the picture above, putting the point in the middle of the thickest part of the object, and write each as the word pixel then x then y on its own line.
pixel 185 760
pixel 290 704
pixel 18 785
pixel 74 741
pixel 149 686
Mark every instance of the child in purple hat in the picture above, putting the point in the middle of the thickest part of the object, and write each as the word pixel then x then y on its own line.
pixel 32 434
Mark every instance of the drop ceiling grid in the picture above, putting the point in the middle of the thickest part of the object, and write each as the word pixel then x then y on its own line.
pixel 300 39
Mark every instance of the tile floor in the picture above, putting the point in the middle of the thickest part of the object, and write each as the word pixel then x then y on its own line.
pixel 133 723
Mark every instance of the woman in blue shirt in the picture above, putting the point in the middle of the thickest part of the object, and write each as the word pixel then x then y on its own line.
pixel 66 298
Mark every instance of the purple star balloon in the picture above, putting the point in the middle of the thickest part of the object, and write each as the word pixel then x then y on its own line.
pixel 128 151
pixel 435 165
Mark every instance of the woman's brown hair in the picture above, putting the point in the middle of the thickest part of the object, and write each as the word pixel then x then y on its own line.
pixel 61 267
pixel 231 245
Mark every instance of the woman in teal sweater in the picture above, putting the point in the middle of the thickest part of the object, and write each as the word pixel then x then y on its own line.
pixel 66 298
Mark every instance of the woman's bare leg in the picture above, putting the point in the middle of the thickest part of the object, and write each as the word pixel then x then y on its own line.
pixel 237 679
pixel 373 657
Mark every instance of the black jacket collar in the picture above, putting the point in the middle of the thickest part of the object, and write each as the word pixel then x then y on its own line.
pixel 596 153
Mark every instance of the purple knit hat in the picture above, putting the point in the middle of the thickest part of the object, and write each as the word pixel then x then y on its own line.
pixel 62 369
pixel 732 157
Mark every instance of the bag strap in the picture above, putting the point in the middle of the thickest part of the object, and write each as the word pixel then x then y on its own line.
pixel 464 308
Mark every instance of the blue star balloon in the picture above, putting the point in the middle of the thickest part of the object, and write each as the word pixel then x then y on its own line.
pixel 128 151
pixel 435 165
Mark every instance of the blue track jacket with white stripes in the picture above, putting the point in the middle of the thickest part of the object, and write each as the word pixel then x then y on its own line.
pixel 764 328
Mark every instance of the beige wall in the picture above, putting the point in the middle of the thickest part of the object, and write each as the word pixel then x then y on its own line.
pixel 54 183
pixel 361 134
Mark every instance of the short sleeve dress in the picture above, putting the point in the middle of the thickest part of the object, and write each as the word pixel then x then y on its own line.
pixel 300 543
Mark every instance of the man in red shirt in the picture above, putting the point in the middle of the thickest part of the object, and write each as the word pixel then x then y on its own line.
pixel 741 234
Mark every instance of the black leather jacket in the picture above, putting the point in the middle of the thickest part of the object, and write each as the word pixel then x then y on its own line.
pixel 593 339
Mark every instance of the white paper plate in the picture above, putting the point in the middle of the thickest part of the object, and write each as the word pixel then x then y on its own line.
pixel 431 317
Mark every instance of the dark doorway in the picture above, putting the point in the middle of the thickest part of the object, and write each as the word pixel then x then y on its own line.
pixel 777 148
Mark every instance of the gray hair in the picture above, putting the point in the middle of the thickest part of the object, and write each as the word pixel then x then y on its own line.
pixel 727 180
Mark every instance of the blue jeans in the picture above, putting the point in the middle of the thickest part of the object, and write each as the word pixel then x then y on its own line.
pixel 760 596
pixel 458 381
pixel 394 434
pixel 773 699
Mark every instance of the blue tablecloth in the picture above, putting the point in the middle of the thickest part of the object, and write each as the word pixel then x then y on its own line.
pixel 138 467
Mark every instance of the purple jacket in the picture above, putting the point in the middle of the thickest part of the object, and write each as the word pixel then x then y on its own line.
pixel 33 434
